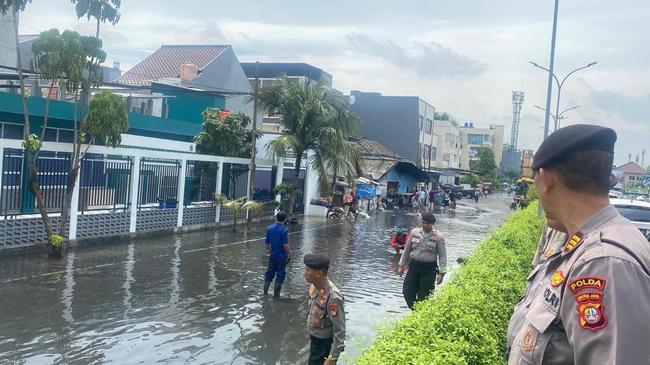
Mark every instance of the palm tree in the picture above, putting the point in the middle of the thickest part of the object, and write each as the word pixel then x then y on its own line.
pixel 314 119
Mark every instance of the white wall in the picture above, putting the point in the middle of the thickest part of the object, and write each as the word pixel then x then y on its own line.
pixel 7 40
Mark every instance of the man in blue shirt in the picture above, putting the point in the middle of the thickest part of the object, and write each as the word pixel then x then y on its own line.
pixel 277 242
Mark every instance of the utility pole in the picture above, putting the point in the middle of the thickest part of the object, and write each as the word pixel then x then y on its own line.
pixel 251 173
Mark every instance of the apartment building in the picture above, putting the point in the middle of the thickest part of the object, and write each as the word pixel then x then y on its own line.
pixel 450 144
pixel 474 138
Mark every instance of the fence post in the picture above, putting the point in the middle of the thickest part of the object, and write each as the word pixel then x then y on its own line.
pixel 135 185
pixel 181 193
pixel 74 207
pixel 217 217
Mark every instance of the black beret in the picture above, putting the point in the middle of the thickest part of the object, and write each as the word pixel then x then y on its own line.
pixel 428 217
pixel 573 138
pixel 317 261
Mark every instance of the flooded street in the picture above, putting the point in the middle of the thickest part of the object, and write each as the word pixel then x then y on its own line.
pixel 197 297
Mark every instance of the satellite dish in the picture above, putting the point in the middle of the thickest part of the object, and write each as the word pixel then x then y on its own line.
pixel 351 99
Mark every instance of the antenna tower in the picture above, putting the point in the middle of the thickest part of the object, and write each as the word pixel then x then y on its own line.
pixel 517 102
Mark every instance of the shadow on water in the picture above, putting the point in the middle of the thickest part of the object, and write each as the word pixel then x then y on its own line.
pixel 197 297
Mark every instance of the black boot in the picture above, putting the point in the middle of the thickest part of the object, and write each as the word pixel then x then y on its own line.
pixel 267 284
pixel 276 290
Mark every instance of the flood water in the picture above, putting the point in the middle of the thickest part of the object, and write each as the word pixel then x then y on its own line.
pixel 197 297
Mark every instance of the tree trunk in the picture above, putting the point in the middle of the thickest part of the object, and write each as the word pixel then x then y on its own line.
pixel 36 189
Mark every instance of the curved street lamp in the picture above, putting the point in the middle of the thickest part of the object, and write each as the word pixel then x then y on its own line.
pixel 559 86
pixel 557 117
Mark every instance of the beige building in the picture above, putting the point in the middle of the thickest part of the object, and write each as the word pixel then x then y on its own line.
pixel 449 142
pixel 632 173
pixel 473 138
pixel 527 164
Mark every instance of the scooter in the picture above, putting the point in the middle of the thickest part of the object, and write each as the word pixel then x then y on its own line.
pixel 335 213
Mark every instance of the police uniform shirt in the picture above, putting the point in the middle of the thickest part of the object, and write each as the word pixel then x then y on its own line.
pixel 589 301
pixel 549 241
pixel 326 316
pixel 425 247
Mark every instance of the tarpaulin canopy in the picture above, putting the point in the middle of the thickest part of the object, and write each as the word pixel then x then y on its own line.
pixel 366 191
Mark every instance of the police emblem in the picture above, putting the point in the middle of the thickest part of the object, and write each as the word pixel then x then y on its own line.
pixel 557 278
pixel 528 342
pixel 591 315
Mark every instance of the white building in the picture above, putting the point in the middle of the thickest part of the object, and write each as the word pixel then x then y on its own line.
pixel 474 138
pixel 450 145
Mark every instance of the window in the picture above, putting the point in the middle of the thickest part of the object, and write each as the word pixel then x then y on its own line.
pixel 486 138
pixel 475 138
pixel 429 128
pixel 446 157
pixel 421 121
pixel 12 131
pixel 450 137
pixel 66 135
pixel 50 135
pixel 427 152
pixel 433 153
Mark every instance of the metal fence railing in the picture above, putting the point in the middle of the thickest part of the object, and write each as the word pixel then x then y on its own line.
pixel 104 183
pixel 158 183
pixel 200 181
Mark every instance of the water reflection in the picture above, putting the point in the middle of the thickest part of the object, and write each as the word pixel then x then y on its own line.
pixel 197 297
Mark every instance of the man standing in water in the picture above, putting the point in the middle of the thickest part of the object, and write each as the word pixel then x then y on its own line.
pixel 277 241
pixel 426 255
pixel 326 319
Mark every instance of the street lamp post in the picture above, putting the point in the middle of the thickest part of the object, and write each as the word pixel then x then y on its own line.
pixel 559 87
pixel 557 118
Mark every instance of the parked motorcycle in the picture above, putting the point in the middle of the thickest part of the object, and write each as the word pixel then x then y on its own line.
pixel 335 213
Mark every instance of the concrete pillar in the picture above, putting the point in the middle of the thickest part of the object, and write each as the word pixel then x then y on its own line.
pixel 217 217
pixel 312 189
pixel 135 183
pixel 278 176
pixel 181 193
pixel 74 209
pixel 2 159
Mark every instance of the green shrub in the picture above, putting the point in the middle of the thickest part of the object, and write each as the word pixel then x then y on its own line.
pixel 467 321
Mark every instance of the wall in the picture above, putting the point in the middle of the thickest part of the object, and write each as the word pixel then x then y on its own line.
pixel 188 105
pixel 225 73
pixel 390 120
pixel 7 40
pixel 405 180
pixel 453 149
pixel 426 112
pixel 511 160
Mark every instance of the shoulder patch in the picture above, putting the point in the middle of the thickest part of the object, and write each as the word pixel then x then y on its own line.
pixel 557 278
pixel 333 308
pixel 587 282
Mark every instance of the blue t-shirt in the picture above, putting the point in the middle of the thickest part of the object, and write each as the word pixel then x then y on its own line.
pixel 277 236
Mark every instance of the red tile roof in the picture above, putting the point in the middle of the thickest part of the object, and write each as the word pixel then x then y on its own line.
pixel 167 61
pixel 631 168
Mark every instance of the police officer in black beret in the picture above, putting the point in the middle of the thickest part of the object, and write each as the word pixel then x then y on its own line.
pixel 588 298
pixel 326 319
pixel 425 253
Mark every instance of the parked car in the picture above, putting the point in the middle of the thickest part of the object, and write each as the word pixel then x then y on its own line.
pixel 467 190
pixel 638 212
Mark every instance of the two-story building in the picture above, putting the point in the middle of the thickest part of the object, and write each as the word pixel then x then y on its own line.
pixel 402 123
pixel 450 145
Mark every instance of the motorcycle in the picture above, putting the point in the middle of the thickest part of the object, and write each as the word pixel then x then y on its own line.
pixel 335 213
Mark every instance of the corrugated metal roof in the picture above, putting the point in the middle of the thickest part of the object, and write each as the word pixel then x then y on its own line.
pixel 167 61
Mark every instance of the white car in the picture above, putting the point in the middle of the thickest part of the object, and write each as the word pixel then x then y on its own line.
pixel 638 212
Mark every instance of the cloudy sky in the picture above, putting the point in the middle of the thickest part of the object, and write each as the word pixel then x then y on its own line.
pixel 464 57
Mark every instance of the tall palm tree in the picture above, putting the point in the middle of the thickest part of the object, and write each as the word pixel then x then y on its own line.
pixel 315 119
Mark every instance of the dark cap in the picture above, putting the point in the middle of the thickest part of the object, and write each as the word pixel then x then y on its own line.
pixel 428 217
pixel 317 261
pixel 573 138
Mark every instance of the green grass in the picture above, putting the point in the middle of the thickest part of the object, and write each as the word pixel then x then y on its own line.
pixel 467 321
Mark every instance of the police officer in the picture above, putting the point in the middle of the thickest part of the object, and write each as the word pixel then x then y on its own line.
pixel 426 255
pixel 551 237
pixel 588 300
pixel 277 242
pixel 326 319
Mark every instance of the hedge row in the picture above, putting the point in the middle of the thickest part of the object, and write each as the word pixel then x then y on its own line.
pixel 467 321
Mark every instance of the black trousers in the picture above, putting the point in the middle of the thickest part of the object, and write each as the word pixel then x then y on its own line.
pixel 319 349
pixel 419 281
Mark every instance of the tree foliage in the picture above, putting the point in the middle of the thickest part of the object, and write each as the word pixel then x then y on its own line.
pixel 101 10
pixel 511 174
pixel 16 5
pixel 316 120
pixel 107 119
pixel 486 166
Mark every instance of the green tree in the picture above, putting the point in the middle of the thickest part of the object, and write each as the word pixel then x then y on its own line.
pixel 315 120
pixel 486 166
pixel 239 206
pixel 229 137
pixel 511 174
pixel 101 10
